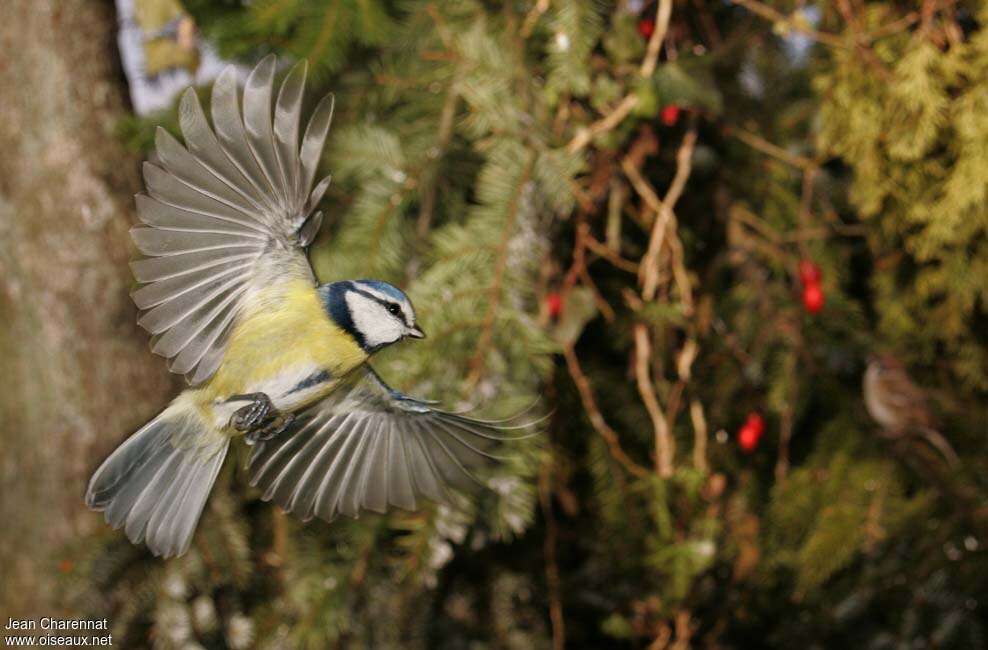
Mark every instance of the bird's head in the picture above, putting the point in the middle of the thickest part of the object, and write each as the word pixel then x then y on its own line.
pixel 376 314
pixel 881 363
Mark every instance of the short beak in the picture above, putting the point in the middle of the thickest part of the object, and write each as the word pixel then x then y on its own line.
pixel 416 333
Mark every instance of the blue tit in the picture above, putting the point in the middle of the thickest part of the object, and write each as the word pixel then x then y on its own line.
pixel 232 302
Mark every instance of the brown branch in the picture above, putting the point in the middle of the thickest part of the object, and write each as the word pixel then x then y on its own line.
pixel 649 267
pixel 533 16
pixel 578 269
pixel 664 444
pixel 662 14
pixel 551 563
pixel 768 13
pixel 600 425
pixel 860 40
pixel 894 27
pixel 642 187
pixel 699 436
pixel 761 144
pixel 805 208
pixel 610 255
pixel 603 125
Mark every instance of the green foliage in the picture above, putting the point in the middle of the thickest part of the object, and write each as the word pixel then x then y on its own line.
pixel 457 178
pixel 575 27
pixel 917 134
pixel 832 510
pixel 322 32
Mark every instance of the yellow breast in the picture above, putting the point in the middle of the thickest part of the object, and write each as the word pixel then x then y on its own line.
pixel 282 328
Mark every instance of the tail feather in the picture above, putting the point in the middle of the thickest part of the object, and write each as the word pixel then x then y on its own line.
pixel 936 440
pixel 156 483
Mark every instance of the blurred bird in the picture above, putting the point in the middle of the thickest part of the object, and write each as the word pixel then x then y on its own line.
pixel 232 302
pixel 899 405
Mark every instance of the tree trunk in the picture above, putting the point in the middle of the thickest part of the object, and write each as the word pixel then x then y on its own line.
pixel 77 373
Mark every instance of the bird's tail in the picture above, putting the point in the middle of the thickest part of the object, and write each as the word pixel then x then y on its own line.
pixel 938 442
pixel 155 484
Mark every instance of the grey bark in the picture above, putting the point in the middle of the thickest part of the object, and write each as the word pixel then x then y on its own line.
pixel 77 376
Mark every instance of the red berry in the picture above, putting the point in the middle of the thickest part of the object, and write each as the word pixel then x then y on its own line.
pixel 756 422
pixel 670 115
pixel 646 26
pixel 751 432
pixel 813 298
pixel 748 439
pixel 809 273
pixel 554 304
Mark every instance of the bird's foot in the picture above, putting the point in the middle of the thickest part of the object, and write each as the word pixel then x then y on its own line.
pixel 259 420
pixel 272 429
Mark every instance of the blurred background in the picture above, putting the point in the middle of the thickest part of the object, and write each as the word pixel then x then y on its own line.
pixel 686 225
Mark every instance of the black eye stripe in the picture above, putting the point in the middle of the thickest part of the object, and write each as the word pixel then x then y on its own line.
pixel 384 303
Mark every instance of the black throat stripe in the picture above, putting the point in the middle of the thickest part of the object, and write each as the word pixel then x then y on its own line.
pixel 314 379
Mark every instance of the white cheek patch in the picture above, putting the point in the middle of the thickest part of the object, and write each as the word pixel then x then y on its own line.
pixel 372 320
pixel 407 314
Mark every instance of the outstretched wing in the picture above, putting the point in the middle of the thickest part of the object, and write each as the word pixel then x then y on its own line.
pixel 229 210
pixel 367 447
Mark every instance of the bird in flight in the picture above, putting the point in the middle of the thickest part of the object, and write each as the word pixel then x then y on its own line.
pixel 270 354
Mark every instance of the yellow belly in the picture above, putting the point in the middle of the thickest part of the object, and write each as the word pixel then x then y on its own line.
pixel 283 337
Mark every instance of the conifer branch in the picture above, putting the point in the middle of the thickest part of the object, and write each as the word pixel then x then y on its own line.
pixel 478 361
pixel 428 194
pixel 584 136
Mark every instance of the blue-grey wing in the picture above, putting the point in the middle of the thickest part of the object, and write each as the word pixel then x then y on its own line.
pixel 367 447
pixel 229 211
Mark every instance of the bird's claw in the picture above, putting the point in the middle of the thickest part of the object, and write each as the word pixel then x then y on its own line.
pixel 272 429
pixel 259 420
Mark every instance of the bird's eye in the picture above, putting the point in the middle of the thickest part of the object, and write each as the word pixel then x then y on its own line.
pixel 394 309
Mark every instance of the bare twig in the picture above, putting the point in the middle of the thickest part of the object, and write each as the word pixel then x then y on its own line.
pixel 578 269
pixel 533 16
pixel 761 144
pixel 642 187
pixel 699 436
pixel 649 267
pixel 664 444
pixel 894 27
pixel 662 14
pixel 609 435
pixel 610 255
pixel 768 13
pixel 551 563
pixel 860 40
pixel 603 125
pixel 805 207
